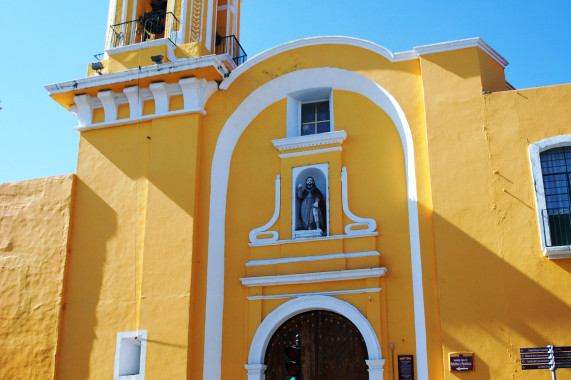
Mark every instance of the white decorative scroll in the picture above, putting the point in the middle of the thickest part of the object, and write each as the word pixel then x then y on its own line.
pixel 135 102
pixel 264 229
pixel 83 109
pixel 196 92
pixel 161 97
pixel 368 222
pixel 109 106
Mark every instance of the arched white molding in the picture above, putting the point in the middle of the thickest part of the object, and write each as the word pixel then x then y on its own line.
pixel 378 49
pixel 264 229
pixel 370 223
pixel 329 40
pixel 535 150
pixel 257 101
pixel 302 304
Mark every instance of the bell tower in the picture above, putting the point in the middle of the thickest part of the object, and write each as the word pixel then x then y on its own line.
pixel 141 114
pixel 176 29
pixel 187 45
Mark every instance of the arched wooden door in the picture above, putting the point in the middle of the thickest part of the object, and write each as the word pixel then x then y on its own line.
pixel 331 348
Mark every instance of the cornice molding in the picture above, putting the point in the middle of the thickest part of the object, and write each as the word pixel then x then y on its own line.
pixel 195 93
pixel 299 142
pixel 357 42
pixel 218 62
pixel 306 278
pixel 461 44
pixel 332 256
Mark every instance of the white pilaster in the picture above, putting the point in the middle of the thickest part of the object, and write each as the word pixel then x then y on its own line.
pixel 182 19
pixel 375 369
pixel 256 371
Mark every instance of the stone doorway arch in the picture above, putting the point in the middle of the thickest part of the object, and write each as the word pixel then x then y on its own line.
pixel 331 347
pixel 256 366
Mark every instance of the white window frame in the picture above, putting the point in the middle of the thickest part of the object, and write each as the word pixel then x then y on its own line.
pixel 535 150
pixel 296 99
pixel 130 338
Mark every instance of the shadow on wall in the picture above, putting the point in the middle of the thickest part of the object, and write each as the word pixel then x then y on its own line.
pixel 494 303
pixel 82 281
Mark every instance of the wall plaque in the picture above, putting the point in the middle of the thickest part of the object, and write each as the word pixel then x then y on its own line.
pixel 406 367
pixel 461 361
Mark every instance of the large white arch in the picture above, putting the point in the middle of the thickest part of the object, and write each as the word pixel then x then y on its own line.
pixel 302 304
pixel 256 102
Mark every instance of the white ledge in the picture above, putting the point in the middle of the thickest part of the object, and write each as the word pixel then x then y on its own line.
pixel 307 278
pixel 316 239
pixel 287 260
pixel 318 139
pixel 560 252
pixel 461 44
pixel 326 293
pixel 218 62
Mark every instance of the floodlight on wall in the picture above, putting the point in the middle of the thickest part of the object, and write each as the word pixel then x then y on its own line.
pixel 158 59
pixel 97 66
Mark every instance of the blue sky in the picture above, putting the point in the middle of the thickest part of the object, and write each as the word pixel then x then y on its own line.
pixel 43 44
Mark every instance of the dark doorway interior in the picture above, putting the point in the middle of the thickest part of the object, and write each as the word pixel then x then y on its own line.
pixel 331 348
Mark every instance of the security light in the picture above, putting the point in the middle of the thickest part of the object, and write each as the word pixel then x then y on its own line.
pixel 158 59
pixel 97 66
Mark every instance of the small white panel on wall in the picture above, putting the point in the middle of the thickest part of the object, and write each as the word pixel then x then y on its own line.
pixel 130 355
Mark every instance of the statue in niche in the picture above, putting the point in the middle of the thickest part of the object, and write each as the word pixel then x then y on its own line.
pixel 312 208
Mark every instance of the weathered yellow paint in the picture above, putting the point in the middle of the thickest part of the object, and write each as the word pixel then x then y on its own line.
pixel 34 226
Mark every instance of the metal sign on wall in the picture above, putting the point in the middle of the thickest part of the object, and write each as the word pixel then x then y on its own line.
pixel 406 367
pixel 550 357
pixel 461 361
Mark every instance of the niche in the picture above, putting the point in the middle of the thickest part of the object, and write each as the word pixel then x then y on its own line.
pixel 310 201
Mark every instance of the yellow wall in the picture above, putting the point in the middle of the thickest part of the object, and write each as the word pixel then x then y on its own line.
pixel 34 227
pixel 497 291
pixel 132 246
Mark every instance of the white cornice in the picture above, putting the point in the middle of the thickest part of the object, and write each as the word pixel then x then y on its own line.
pixel 195 93
pixel 306 278
pixel 350 41
pixel 218 62
pixel 326 293
pixel 289 260
pixel 318 139
pixel 461 44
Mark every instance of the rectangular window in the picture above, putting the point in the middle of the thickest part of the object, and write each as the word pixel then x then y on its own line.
pixel 556 172
pixel 315 118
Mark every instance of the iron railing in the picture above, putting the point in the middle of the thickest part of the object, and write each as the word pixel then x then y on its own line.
pixel 557 226
pixel 230 45
pixel 145 28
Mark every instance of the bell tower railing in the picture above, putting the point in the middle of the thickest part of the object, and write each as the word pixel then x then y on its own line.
pixel 230 45
pixel 145 28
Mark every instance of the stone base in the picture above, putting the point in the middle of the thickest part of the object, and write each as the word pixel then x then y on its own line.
pixel 304 234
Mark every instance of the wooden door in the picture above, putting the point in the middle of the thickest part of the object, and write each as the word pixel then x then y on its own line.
pixel 331 348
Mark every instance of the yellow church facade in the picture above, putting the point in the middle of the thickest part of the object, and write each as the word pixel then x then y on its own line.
pixel 388 215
